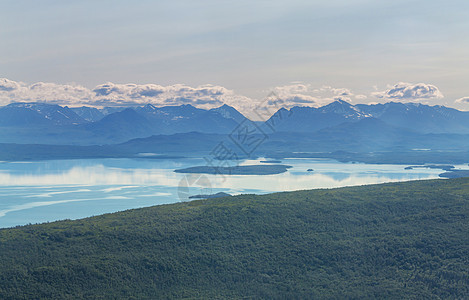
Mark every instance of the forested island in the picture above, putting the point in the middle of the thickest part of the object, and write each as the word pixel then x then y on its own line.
pixel 237 170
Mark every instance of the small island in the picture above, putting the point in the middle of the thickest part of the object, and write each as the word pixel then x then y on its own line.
pixel 238 170
pixel 271 161
pixel 442 167
pixel 217 195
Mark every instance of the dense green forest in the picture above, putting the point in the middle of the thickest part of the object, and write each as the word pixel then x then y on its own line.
pixel 399 240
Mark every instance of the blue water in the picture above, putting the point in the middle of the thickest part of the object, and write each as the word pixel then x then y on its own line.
pixel 44 191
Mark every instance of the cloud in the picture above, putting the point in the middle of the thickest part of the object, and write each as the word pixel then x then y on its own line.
pixel 132 94
pixel 295 94
pixel 299 94
pixel 203 96
pixel 408 92
pixel 7 85
pixel 66 94
pixel 112 94
pixel 462 100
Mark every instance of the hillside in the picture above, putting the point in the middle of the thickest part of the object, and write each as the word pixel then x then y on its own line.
pixel 402 240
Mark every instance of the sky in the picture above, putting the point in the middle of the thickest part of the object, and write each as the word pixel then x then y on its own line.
pixel 236 52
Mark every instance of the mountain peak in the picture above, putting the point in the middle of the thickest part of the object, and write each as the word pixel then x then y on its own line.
pixel 339 103
pixel 226 106
pixel 344 108
pixel 149 106
pixel 229 112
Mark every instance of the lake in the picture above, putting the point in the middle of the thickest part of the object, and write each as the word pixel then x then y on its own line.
pixel 44 191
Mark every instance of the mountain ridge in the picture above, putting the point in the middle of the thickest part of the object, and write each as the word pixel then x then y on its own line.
pixel 53 124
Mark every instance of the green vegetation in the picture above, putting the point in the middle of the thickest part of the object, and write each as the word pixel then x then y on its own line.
pixel 217 195
pixel 400 240
pixel 455 174
pixel 238 170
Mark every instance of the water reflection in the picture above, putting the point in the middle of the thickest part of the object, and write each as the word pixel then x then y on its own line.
pixel 50 190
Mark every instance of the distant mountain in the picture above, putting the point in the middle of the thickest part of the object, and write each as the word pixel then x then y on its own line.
pixel 54 124
pixel 229 112
pixel 90 114
pixel 344 109
pixel 368 134
pixel 310 119
pixel 17 116
pixel 111 109
pixel 419 117
pixel 413 116
pixel 38 113
pixel 337 125
pixel 187 118
pixel 120 126
pixel 186 143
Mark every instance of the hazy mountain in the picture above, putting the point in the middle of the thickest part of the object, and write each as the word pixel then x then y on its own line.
pixel 18 116
pixel 310 119
pixel 187 118
pixel 368 134
pixel 337 125
pixel 54 124
pixel 186 143
pixel 344 109
pixel 39 113
pixel 120 126
pixel 230 113
pixel 90 114
pixel 419 117
pixel 111 109
pixel 413 116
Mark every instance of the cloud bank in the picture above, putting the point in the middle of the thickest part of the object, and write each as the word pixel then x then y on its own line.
pixel 464 100
pixel 409 92
pixel 204 96
pixel 112 94
pixel 207 96
pixel 300 94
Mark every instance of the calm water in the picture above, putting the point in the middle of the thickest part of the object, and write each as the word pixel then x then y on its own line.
pixel 34 192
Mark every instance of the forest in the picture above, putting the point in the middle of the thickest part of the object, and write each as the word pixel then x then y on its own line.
pixel 395 240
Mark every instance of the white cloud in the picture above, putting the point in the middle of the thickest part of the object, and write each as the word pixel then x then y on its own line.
pixel 462 100
pixel 111 94
pixel 361 97
pixel 300 94
pixel 66 94
pixel 7 85
pixel 408 92
pixel 204 96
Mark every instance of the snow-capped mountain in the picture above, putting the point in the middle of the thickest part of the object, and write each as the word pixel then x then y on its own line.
pixel 39 113
pixel 413 116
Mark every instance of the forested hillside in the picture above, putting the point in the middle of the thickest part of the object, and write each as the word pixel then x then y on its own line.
pixel 400 240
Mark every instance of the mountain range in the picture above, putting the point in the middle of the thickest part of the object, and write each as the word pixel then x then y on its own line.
pixel 384 124
pixel 54 124
pixel 411 116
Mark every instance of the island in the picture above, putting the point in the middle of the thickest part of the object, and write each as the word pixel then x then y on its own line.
pixel 237 170
pixel 271 161
pixel 217 195
pixel 442 167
